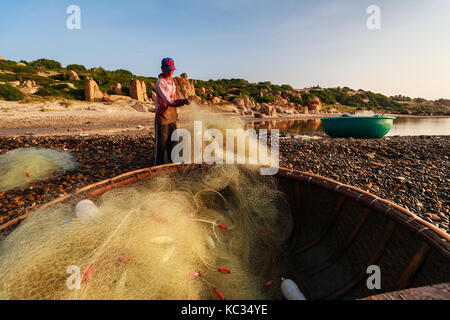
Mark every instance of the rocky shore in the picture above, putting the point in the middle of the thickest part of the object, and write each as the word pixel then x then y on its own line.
pixel 411 171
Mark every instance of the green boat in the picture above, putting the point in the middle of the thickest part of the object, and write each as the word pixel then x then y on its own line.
pixel 357 126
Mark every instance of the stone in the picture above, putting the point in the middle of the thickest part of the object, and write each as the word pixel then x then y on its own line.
pixel 114 98
pixel 91 91
pixel 197 99
pixel 184 76
pixel 314 105
pixel 185 88
pixel 1 58
pixel 239 102
pixel 249 113
pixel 73 76
pixel 117 88
pixel 268 110
pixel 249 103
pixel 27 84
pixel 144 90
pixel 14 83
pixel 136 90
pixel 21 64
pixel 201 91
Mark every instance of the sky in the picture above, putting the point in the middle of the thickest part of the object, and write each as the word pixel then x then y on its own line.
pixel 301 43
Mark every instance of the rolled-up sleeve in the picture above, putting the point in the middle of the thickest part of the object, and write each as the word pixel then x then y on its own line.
pixel 164 91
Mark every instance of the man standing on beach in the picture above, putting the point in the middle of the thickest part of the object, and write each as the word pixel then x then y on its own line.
pixel 166 114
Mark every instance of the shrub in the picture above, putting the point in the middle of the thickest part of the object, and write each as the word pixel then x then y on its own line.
pixel 76 67
pixel 23 69
pixel 62 92
pixel 296 100
pixel 45 63
pixel 265 99
pixel 123 72
pixel 10 93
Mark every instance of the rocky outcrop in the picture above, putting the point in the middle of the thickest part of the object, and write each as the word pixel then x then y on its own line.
pixel 268 110
pixel 114 98
pixel 91 91
pixel 314 105
pixel 185 88
pixel 239 102
pixel 73 76
pixel 201 91
pixel 117 88
pixel 144 91
pixel 136 91
pixel 21 64
pixel 14 83
pixel 1 58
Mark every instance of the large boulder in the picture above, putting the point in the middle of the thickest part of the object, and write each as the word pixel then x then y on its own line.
pixel 27 84
pixel 91 91
pixel 1 58
pixel 144 90
pixel 117 88
pixel 185 88
pixel 73 75
pixel 268 110
pixel 249 103
pixel 201 91
pixel 239 102
pixel 21 64
pixel 14 83
pixel 114 98
pixel 136 90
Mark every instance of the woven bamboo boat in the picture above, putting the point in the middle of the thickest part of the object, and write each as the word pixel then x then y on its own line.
pixel 339 231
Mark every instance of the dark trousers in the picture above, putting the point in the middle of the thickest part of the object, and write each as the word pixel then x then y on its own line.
pixel 163 133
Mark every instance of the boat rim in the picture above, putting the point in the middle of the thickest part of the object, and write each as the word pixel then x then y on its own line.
pixel 357 117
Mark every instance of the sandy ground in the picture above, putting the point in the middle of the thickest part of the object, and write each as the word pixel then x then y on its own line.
pixel 57 117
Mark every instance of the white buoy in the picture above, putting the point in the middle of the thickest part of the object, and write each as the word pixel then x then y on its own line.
pixel 290 290
pixel 210 242
pixel 86 209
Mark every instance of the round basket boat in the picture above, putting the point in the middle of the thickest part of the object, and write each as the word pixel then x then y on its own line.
pixel 357 127
pixel 339 231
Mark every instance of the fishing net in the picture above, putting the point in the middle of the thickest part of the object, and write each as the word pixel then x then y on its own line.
pixel 207 233
pixel 224 139
pixel 22 166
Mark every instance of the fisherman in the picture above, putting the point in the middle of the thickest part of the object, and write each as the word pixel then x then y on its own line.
pixel 166 114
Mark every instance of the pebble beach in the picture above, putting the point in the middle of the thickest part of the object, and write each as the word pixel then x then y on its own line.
pixel 410 171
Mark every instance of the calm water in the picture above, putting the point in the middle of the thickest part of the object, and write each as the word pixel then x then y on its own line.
pixel 403 126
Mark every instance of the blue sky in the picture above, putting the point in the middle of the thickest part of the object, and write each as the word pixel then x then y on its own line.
pixel 302 43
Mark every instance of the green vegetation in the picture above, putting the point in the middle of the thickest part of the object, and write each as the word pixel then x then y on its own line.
pixel 46 64
pixel 10 93
pixel 78 68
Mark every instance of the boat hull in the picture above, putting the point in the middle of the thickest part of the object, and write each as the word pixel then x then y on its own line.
pixel 357 127
pixel 339 232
